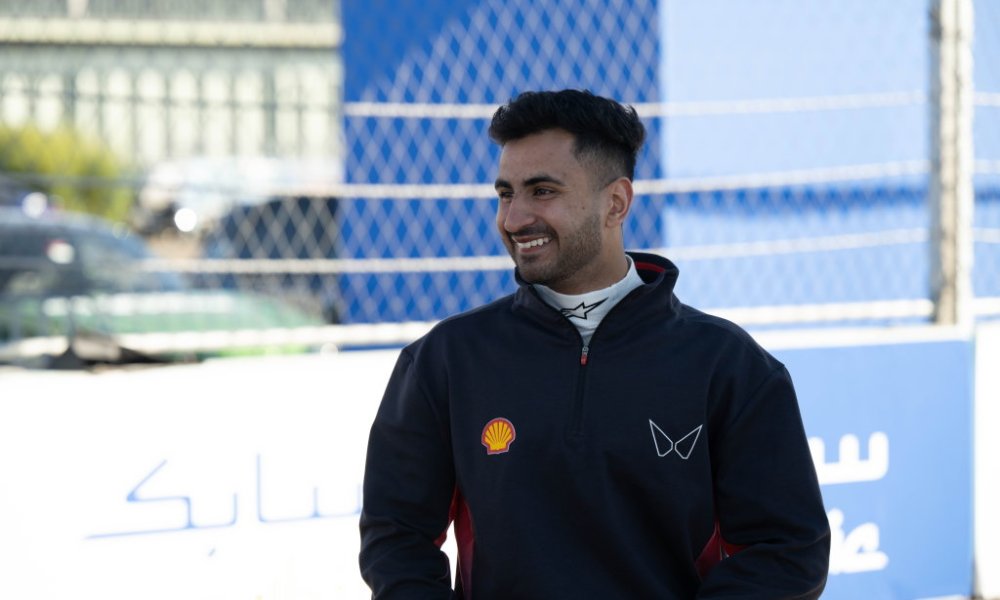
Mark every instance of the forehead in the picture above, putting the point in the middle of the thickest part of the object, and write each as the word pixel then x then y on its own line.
pixel 550 150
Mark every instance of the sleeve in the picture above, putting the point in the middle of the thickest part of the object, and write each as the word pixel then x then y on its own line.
pixel 409 482
pixel 768 503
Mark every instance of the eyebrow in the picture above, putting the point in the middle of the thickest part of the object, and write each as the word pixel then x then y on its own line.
pixel 503 183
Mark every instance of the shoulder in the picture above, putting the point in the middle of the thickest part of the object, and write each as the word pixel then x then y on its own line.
pixel 726 338
pixel 476 321
pixel 498 311
pixel 712 324
pixel 454 343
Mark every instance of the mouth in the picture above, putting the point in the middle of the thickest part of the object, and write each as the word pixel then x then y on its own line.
pixel 535 243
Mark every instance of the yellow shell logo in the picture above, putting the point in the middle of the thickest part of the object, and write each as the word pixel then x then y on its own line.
pixel 498 436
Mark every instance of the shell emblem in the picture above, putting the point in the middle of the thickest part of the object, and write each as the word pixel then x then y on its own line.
pixel 498 435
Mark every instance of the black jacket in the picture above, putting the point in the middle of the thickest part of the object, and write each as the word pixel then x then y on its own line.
pixel 667 461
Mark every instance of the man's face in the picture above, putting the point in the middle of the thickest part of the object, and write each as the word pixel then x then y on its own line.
pixel 551 214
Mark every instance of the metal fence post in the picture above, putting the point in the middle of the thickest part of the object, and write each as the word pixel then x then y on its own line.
pixel 951 191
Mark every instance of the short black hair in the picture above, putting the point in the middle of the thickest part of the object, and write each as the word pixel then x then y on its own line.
pixel 603 128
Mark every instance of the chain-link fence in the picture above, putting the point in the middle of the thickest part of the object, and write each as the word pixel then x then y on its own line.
pixel 331 163
pixel 986 135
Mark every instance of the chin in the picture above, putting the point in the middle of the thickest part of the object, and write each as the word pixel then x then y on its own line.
pixel 534 276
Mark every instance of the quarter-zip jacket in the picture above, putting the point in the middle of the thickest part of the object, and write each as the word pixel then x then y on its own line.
pixel 665 460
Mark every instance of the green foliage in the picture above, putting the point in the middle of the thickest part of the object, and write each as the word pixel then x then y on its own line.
pixel 80 173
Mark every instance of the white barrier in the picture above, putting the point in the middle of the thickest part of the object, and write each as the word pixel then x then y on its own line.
pixel 233 479
pixel 987 452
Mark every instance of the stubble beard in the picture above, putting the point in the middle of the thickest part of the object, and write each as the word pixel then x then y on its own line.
pixel 577 250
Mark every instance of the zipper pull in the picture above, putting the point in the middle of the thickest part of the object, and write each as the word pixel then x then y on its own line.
pixel 583 355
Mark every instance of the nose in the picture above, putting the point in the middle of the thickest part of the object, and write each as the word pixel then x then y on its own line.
pixel 515 215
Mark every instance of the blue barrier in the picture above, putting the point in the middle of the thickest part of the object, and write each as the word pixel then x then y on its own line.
pixel 895 423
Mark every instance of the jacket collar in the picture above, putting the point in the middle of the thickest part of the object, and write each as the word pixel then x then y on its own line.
pixel 658 273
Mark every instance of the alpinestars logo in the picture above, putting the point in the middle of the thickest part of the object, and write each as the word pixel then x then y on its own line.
pixel 581 310
pixel 682 447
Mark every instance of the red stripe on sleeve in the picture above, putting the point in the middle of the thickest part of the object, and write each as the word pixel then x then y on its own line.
pixel 464 541
pixel 714 552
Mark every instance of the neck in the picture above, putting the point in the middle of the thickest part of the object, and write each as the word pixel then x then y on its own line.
pixel 586 309
pixel 599 274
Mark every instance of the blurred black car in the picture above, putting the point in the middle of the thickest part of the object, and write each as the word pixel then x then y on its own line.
pixel 297 229
pixel 68 278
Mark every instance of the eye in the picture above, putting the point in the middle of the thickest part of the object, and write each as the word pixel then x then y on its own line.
pixel 542 191
pixel 505 195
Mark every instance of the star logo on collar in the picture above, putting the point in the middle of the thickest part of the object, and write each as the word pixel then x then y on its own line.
pixel 580 311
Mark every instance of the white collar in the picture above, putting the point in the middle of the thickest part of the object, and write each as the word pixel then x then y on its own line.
pixel 586 310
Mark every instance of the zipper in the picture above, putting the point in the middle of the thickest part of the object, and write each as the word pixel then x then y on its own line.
pixel 576 425
pixel 576 419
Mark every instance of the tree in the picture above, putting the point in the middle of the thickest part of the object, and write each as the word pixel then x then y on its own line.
pixel 77 172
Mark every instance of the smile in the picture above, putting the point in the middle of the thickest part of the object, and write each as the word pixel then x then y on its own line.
pixel 533 243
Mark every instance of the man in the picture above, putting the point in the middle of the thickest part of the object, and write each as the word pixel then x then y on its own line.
pixel 590 436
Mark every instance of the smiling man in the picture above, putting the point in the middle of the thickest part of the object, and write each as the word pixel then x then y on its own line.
pixel 589 435
pixel 562 228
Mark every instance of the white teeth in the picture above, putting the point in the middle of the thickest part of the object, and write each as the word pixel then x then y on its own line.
pixel 533 243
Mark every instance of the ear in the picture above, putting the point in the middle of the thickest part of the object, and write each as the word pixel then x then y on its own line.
pixel 620 196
